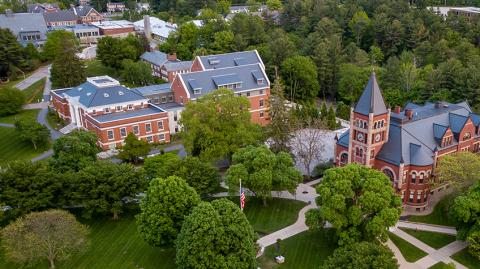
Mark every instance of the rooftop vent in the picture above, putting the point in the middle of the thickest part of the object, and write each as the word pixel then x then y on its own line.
pixel 89 93
pixel 213 61
pixel 120 93
pixel 197 89
pixel 80 89
pixel 106 95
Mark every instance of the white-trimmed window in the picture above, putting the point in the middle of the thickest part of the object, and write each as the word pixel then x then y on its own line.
pixel 135 130
pixel 160 125
pixel 161 137
pixel 94 112
pixel 149 139
pixel 110 135
pixel 130 107
pixel 414 178
pixel 123 132
pixel 164 99
pixel 148 127
pixel 156 100
pixel 261 102
pixel 119 108
pixel 262 114
pixel 170 98
pixel 260 92
pixel 107 110
pixel 248 94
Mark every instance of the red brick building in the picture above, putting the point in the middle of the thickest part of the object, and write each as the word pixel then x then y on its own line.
pixel 165 66
pixel 406 144
pixel 112 111
pixel 86 14
pixel 120 28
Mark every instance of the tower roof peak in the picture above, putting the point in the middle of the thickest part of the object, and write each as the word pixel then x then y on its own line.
pixel 371 100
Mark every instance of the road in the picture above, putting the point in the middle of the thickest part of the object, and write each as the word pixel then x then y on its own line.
pixel 88 53
pixel 36 76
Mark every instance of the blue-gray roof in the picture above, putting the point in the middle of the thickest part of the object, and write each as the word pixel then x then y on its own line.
pixel 92 96
pixel 82 11
pixel 24 23
pixel 343 139
pixel 371 100
pixel 171 106
pixel 150 110
pixel 178 65
pixel 59 16
pixel 414 141
pixel 210 80
pixel 154 89
pixel 230 59
pixel 157 58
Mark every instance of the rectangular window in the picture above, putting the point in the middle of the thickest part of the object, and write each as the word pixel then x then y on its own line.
pixel 94 112
pixel 149 139
pixel 135 130
pixel 262 114
pixel 161 137
pixel 260 92
pixel 107 110
pixel 123 132
pixel 262 103
pixel 148 127
pixel 164 99
pixel 110 135
pixel 410 199
pixel 130 107
pixel 248 94
pixel 160 125
pixel 175 116
pixel 119 108
pixel 170 98
pixel 156 100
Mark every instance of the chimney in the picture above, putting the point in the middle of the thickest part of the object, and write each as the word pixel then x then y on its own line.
pixel 397 110
pixel 409 113
pixel 172 57
pixel 146 27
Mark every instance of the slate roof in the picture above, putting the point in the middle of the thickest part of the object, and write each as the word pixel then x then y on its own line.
pixel 81 11
pixel 230 59
pixel 24 22
pixel 90 95
pixel 178 65
pixel 157 58
pixel 158 26
pixel 371 100
pixel 40 8
pixel 210 80
pixel 150 110
pixel 171 106
pixel 62 15
pixel 154 89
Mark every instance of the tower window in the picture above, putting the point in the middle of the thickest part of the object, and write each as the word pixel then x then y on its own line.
pixel 414 178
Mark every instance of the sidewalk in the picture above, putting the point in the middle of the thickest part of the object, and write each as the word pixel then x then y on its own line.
pixel 36 76
pixel 427 227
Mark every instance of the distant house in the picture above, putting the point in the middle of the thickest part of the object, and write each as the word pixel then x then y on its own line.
pixel 85 33
pixel 84 2
pixel 27 27
pixel 121 28
pixel 142 7
pixel 165 66
pixel 115 7
pixel 112 111
pixel 159 29
pixel 468 12
pixel 60 18
pixel 87 14
pixel 42 8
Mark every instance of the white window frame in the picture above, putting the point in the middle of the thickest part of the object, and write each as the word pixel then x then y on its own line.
pixel 136 127
pixel 149 127
pixel 108 135
pixel 161 137
pixel 160 125
pixel 124 133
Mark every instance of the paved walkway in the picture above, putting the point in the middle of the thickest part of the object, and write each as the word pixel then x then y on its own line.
pixel 427 227
pixel 7 125
pixel 36 76
pixel 40 105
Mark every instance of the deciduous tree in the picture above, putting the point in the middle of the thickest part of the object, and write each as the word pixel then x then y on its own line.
pixel 359 202
pixel 52 235
pixel 300 76
pixel 33 132
pixel 362 255
pixel 217 124
pixel 134 148
pixel 216 235
pixel 56 40
pixel 163 210
pixel 11 101
pixel 459 169
pixel 74 151
pixel 359 24
pixel 137 73
pixel 67 69
pixel 262 171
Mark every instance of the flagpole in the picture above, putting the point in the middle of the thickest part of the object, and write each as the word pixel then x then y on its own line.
pixel 241 208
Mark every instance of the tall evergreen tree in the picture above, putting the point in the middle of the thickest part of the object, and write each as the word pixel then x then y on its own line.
pixel 67 69
pixel 11 54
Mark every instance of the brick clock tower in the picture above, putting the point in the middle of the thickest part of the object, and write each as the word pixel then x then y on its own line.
pixel 369 125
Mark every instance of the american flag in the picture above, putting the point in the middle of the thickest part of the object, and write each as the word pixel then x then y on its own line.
pixel 242 199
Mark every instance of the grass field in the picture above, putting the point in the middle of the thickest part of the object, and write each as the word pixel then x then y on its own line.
pixel 12 148
pixel 114 244
pixel 278 214
pixel 439 215
pixel 305 250
pixel 440 265
pixel 410 252
pixel 465 258
pixel 435 240
pixel 34 93
pixel 29 114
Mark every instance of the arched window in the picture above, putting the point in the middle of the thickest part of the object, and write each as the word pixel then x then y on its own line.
pixel 364 125
pixel 420 180
pixel 414 177
pixel 361 152
pixel 375 125
pixel 383 122
pixel 343 158
pixel 467 136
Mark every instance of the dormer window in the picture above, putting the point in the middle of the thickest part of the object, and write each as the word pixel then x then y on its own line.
pixel 197 91
pixel 130 107
pixel 106 95
pixel 107 110
pixel 120 93
pixel 119 108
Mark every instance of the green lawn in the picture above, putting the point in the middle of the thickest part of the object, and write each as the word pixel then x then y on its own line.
pixel 30 114
pixel 114 244
pixel 440 265
pixel 410 252
pixel 435 240
pixel 439 215
pixel 34 93
pixel 278 213
pixel 12 148
pixel 305 250
pixel 465 258
pixel 96 68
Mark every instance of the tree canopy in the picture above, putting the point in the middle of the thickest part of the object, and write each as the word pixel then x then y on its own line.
pixel 166 204
pixel 74 151
pixel 52 235
pixel 262 171
pixel 11 101
pixel 359 202
pixel 217 124
pixel 459 169
pixel 12 58
pixel 33 132
pixel 134 148
pixel 216 235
